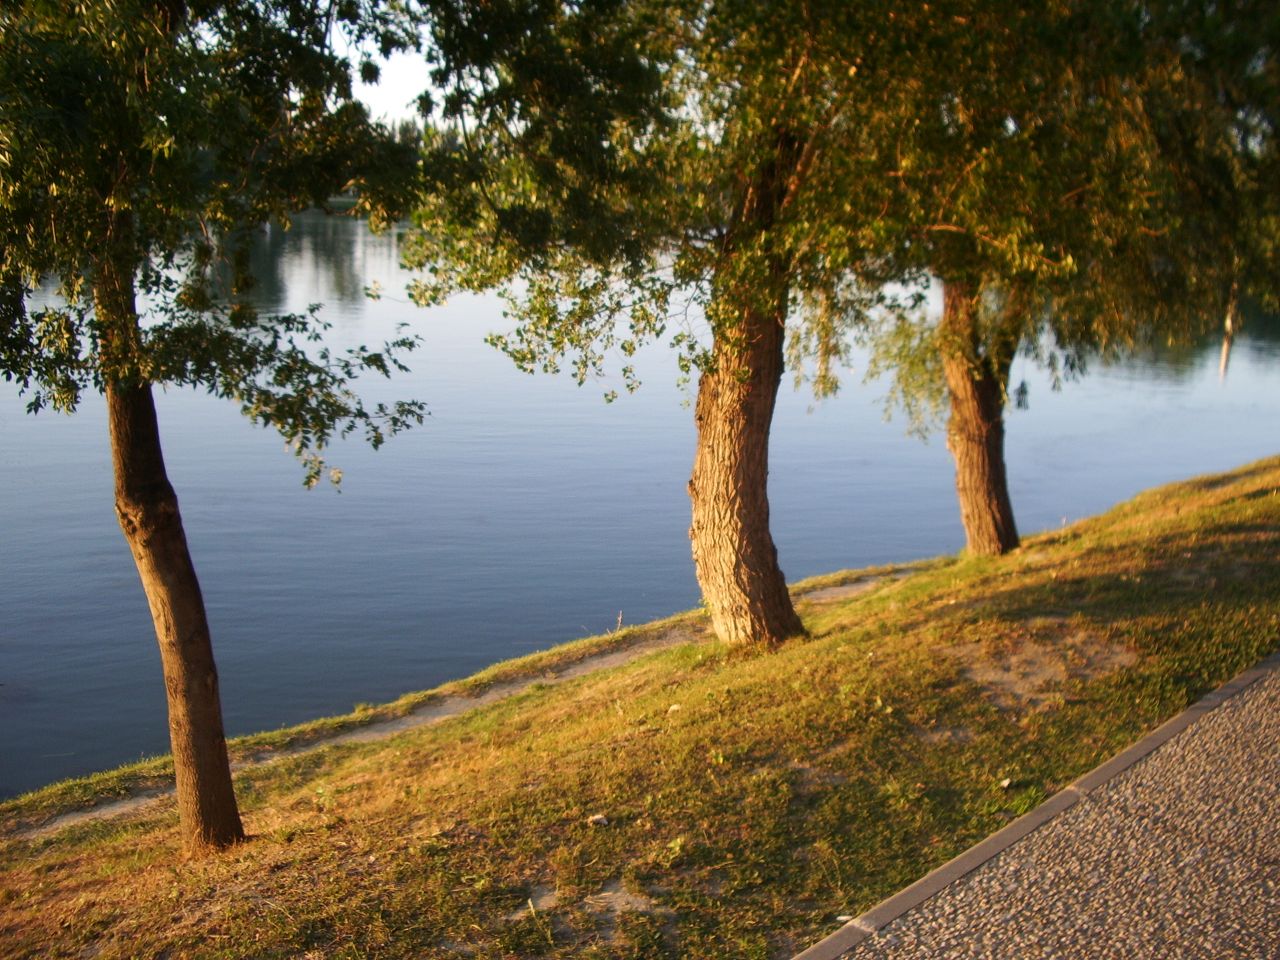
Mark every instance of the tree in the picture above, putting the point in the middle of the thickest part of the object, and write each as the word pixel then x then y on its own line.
pixel 141 141
pixel 1216 106
pixel 1062 216
pixel 1031 170
pixel 637 162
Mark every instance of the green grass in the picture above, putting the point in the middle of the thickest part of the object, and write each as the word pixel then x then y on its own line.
pixel 749 798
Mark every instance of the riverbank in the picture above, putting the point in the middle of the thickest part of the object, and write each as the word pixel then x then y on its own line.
pixel 693 801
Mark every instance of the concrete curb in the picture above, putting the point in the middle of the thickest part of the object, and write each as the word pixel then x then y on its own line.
pixel 858 929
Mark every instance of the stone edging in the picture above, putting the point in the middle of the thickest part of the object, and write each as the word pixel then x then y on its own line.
pixel 858 929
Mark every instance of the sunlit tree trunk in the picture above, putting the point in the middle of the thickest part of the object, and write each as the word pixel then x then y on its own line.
pixel 733 550
pixel 977 375
pixel 147 509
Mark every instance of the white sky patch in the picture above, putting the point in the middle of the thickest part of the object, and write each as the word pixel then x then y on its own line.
pixel 392 98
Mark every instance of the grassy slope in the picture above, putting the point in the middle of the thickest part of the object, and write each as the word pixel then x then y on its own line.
pixel 150 774
pixel 749 799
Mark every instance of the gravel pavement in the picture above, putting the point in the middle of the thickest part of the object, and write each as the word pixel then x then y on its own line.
pixel 1174 857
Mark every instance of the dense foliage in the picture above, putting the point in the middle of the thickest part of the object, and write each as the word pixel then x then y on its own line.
pixel 1145 187
pixel 163 135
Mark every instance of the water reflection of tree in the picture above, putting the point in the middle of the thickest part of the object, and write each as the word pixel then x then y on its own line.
pixel 319 259
pixel 1178 362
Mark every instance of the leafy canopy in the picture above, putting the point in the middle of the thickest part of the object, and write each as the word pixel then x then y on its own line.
pixel 605 236
pixel 152 138
pixel 1103 184
pixel 602 183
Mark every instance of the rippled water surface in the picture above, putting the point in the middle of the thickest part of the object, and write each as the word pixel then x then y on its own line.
pixel 525 512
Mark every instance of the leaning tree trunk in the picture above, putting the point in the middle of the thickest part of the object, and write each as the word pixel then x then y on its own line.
pixel 977 375
pixel 147 509
pixel 733 552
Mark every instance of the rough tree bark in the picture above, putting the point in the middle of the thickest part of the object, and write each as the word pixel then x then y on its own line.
pixel 733 552
pixel 147 509
pixel 977 375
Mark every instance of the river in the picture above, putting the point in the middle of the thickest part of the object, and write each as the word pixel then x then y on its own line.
pixel 525 512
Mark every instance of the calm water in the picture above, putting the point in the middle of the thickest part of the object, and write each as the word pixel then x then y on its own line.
pixel 525 512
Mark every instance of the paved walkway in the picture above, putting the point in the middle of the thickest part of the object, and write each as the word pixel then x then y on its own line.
pixel 1170 851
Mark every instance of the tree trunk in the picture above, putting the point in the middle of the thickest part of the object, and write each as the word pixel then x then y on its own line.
pixel 147 509
pixel 977 375
pixel 733 552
